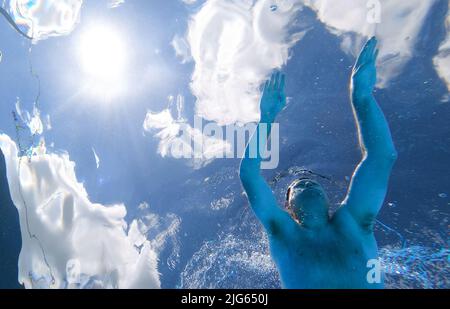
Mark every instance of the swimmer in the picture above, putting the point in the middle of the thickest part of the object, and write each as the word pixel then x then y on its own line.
pixel 313 250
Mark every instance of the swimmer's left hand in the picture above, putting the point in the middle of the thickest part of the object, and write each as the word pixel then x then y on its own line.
pixel 364 76
pixel 274 98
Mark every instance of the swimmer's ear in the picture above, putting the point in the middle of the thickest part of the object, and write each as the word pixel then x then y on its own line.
pixel 288 193
pixel 286 205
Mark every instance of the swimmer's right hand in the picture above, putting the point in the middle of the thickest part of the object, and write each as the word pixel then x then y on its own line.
pixel 274 98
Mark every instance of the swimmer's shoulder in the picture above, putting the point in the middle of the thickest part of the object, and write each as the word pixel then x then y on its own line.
pixel 286 230
pixel 343 221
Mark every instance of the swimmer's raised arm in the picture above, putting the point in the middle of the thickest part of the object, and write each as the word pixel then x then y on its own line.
pixel 259 193
pixel 370 181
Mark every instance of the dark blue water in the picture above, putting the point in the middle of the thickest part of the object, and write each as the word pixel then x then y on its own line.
pixel 10 239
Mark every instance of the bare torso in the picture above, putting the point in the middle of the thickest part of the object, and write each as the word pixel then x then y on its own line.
pixel 335 256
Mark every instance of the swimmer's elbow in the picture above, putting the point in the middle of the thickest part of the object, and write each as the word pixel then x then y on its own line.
pixel 387 157
pixel 394 155
pixel 390 156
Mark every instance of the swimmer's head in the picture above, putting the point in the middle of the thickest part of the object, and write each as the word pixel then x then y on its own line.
pixel 307 202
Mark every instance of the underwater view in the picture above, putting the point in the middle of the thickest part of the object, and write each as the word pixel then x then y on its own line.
pixel 127 130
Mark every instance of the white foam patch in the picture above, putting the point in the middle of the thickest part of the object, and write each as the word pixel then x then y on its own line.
pixel 46 18
pixel 398 29
pixel 235 45
pixel 178 139
pixel 66 236
pixel 31 120
pixel 189 2
pixel 442 60
pixel 222 203
pixel 181 47
pixel 96 157
pixel 115 3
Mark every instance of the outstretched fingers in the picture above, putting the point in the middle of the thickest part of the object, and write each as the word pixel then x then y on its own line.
pixel 267 86
pixel 375 56
pixel 271 81
pixel 368 54
pixel 282 83
pixel 276 83
pixel 276 78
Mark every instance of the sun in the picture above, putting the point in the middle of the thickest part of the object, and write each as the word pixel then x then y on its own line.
pixel 102 53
